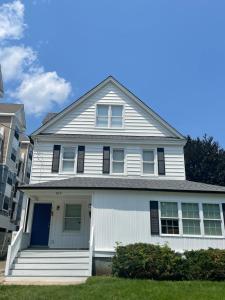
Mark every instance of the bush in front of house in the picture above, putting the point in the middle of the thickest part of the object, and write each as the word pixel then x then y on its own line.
pixel 147 261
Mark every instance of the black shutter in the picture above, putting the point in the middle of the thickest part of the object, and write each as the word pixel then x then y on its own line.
pixel 161 161
pixel 80 159
pixel 223 208
pixel 154 217
pixel 106 160
pixel 56 158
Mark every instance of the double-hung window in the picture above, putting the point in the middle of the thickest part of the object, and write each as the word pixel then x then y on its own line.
pixel 190 219
pixel 169 218
pixel 212 219
pixel 72 217
pixel 68 159
pixel 148 158
pixel 118 161
pixel 109 116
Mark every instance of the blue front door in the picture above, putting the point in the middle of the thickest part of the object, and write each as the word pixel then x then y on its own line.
pixel 41 224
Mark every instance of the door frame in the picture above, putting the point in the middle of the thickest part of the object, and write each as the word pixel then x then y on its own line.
pixel 32 215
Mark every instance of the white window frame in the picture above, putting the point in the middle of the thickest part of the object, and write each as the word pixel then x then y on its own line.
pixel 155 162
pixel 61 159
pixel 64 217
pixel 202 235
pixel 219 220
pixel 111 162
pixel 109 116
pixel 166 218
pixel 196 219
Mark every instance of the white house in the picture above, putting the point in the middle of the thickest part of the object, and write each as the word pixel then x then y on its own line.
pixel 106 170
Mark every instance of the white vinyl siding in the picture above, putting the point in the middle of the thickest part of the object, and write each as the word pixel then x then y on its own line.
pixel 42 161
pixel 81 120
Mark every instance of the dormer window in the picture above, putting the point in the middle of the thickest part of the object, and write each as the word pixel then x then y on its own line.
pixel 109 116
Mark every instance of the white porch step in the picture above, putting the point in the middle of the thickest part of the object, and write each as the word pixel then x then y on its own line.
pixel 51 260
pixel 61 253
pixel 38 263
pixel 40 280
pixel 55 273
pixel 50 266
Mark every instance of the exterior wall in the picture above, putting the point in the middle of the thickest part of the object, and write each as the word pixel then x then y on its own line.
pixel 43 153
pixel 57 237
pixel 82 119
pixel 124 217
pixel 6 122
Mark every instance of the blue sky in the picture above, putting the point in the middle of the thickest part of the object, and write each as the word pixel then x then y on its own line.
pixel 171 54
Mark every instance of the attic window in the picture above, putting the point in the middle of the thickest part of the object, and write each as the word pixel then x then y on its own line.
pixel 109 116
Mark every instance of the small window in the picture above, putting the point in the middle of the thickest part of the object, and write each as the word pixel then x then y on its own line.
pixel 148 162
pixel 190 219
pixel 169 218
pixel 72 218
pixel 212 219
pixel 68 159
pixel 13 155
pixel 118 161
pixel 109 116
pixel 9 180
pixel 102 116
pixel 6 203
pixel 17 134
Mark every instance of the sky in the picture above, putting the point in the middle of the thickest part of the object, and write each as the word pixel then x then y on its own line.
pixel 170 53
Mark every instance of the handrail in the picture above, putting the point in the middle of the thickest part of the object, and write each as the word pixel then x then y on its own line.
pixel 91 248
pixel 13 249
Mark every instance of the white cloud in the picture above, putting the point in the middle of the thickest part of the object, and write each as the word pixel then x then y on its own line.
pixel 39 91
pixel 15 60
pixel 12 20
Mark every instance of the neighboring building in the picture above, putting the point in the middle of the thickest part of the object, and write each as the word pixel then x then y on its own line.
pixel 108 169
pixel 15 164
pixel 1 84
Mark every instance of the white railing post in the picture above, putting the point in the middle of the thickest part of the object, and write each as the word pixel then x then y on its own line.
pixel 13 249
pixel 91 248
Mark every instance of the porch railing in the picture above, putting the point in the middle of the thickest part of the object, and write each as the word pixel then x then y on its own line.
pixel 13 249
pixel 91 249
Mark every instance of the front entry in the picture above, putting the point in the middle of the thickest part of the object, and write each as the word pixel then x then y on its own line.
pixel 41 224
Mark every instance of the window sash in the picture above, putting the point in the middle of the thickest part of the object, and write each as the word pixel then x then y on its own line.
pixel 146 163
pixel 118 162
pixel 69 160
pixel 75 217
pixel 110 120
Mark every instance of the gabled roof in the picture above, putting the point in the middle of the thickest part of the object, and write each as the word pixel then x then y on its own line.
pixel 48 117
pixel 112 80
pixel 127 184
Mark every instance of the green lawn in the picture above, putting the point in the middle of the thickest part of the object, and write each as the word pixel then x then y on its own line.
pixel 113 288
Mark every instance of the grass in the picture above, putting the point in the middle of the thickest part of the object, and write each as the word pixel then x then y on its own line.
pixel 115 288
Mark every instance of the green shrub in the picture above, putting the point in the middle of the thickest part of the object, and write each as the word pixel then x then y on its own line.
pixel 161 263
pixel 147 261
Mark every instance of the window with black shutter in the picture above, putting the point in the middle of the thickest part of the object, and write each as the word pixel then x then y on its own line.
pixel 154 217
pixel 80 159
pixel 106 160
pixel 56 158
pixel 161 161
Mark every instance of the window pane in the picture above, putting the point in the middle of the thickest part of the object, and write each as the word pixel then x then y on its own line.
pixel 102 122
pixel 169 209
pixel 148 168
pixel 118 167
pixel 191 227
pixel 73 210
pixel 118 155
pixel 117 110
pixel 169 226
pixel 71 224
pixel 68 166
pixel 190 210
pixel 211 211
pixel 6 203
pixel 212 227
pixel 102 110
pixel 148 155
pixel 116 122
pixel 69 153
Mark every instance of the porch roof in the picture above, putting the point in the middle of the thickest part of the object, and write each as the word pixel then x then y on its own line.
pixel 113 183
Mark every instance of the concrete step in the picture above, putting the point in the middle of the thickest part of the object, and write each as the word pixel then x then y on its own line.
pixel 51 260
pixel 49 266
pixel 51 273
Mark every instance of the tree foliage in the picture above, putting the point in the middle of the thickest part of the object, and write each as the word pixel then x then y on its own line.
pixel 204 161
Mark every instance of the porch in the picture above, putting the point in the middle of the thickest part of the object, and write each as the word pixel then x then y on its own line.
pixel 55 239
